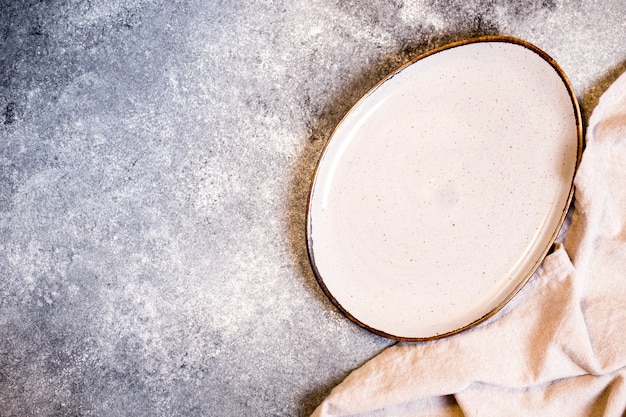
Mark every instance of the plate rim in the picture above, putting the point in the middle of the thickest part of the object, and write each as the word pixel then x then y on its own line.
pixel 551 240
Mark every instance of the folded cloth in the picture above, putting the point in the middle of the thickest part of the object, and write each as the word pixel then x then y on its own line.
pixel 559 347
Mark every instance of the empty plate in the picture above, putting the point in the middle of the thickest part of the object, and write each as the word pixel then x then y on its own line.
pixel 442 190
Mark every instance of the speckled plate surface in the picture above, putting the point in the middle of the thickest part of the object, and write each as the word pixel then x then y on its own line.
pixel 442 190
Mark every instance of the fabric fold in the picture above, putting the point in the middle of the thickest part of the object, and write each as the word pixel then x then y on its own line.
pixel 558 348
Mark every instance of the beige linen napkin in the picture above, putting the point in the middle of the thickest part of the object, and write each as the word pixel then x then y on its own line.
pixel 558 349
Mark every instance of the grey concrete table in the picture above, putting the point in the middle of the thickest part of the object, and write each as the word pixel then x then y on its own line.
pixel 155 159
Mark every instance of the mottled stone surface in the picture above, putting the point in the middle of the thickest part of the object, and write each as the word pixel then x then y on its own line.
pixel 155 158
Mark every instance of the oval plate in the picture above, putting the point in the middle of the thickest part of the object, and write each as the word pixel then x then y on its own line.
pixel 442 190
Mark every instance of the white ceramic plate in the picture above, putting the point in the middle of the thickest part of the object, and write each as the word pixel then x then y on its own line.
pixel 442 190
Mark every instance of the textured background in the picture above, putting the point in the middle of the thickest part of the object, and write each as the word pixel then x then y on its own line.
pixel 154 162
